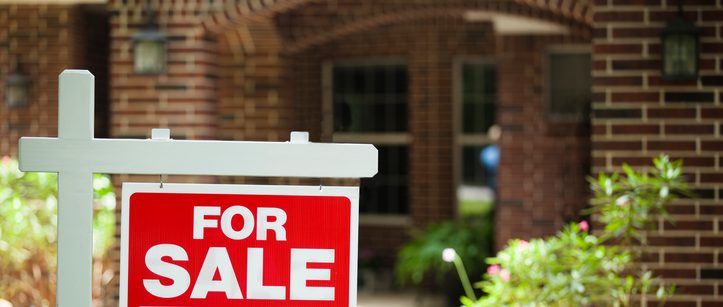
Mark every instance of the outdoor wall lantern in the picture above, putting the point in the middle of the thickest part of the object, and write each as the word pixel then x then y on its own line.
pixel 149 47
pixel 16 88
pixel 680 49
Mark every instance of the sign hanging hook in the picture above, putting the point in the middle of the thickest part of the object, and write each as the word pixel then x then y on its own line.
pixel 161 134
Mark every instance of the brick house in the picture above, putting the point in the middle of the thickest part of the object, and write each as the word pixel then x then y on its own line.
pixel 562 88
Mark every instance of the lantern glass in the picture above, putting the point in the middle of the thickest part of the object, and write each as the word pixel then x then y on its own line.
pixel 680 56
pixel 150 56
pixel 16 91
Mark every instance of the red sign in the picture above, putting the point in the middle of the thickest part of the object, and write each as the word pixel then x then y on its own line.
pixel 233 245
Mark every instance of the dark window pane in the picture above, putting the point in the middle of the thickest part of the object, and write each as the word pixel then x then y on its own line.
pixel 387 192
pixel 359 80
pixel 570 83
pixel 478 97
pixel 341 80
pixel 474 169
pixel 373 98
pixel 380 78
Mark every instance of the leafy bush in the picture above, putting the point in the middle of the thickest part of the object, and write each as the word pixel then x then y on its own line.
pixel 470 236
pixel 576 268
pixel 28 234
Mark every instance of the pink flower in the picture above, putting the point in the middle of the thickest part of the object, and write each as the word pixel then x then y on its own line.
pixel 493 270
pixel 523 244
pixel 505 275
pixel 584 226
pixel 6 160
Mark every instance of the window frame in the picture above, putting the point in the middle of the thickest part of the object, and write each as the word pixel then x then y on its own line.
pixel 462 139
pixel 376 138
pixel 547 81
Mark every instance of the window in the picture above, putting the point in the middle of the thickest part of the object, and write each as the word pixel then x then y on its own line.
pixel 569 83
pixel 478 98
pixel 368 100
pixel 477 153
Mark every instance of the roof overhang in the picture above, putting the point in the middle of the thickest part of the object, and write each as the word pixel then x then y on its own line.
pixel 508 24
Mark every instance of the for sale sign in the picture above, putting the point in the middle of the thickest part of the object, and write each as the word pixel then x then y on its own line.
pixel 238 245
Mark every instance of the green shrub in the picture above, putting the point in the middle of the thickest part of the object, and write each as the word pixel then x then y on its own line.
pixel 470 236
pixel 576 268
pixel 28 234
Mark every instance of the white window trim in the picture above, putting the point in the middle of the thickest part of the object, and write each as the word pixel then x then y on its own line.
pixel 392 138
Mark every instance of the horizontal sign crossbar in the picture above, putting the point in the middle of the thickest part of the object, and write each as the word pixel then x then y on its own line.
pixel 184 157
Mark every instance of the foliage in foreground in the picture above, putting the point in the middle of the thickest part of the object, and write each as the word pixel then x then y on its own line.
pixel 470 236
pixel 576 268
pixel 28 234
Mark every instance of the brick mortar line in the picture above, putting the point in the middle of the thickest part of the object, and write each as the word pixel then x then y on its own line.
pixel 688 281
pixel 638 56
pixel 675 121
pixel 682 265
pixel 689 217
pixel 705 170
pixel 637 88
pixel 652 24
pixel 708 170
pixel 651 71
pixel 687 233
pixel 608 97
pixel 604 105
pixel 655 234
pixel 638 40
pixel 634 25
pixel 658 137
pixel 622 73
pixel 657 8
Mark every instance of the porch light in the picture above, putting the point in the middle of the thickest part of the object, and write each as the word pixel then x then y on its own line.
pixel 680 49
pixel 16 88
pixel 149 47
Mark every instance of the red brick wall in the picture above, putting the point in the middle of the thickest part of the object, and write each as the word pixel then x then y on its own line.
pixel 183 98
pixel 638 116
pixel 543 162
pixel 48 39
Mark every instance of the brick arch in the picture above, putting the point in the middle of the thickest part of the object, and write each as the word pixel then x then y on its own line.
pixel 576 13
pixel 578 10
pixel 394 17
pixel 247 10
pixel 366 24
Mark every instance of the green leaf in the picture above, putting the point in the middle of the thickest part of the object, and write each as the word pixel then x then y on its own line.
pixel 575 268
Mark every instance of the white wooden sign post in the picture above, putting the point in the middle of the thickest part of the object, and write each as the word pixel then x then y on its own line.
pixel 75 155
